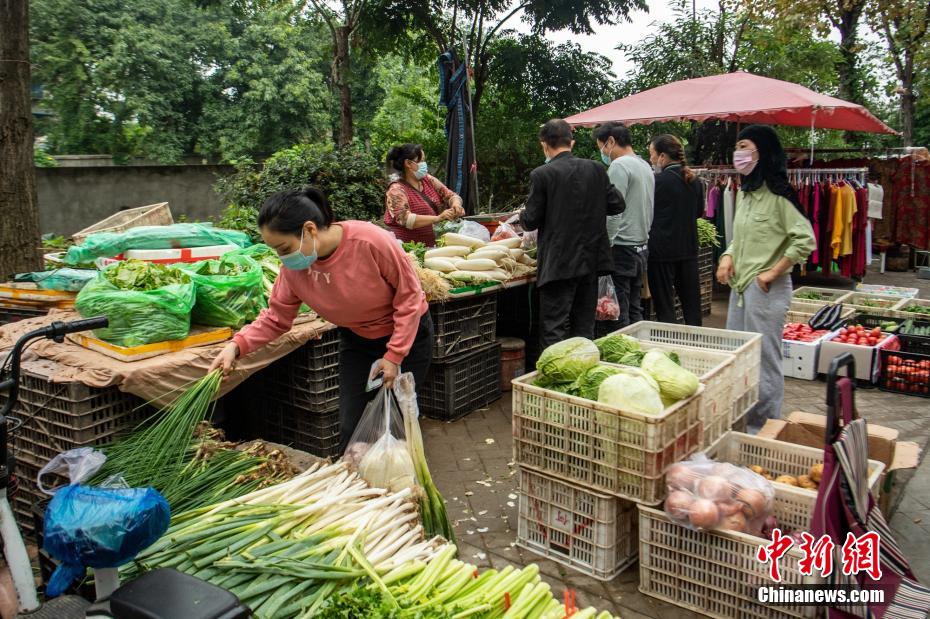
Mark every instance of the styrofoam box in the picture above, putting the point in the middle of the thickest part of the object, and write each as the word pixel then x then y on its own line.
pixel 799 359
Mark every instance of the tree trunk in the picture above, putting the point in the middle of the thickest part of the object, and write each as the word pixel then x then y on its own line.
pixel 908 100
pixel 19 212
pixel 341 66
pixel 848 26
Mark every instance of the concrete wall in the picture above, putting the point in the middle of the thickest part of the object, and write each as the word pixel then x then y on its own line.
pixel 70 199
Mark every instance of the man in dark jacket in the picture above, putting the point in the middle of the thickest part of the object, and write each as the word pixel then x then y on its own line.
pixel 568 202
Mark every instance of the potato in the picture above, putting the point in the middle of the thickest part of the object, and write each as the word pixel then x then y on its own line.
pixel 805 481
pixel 787 479
pixel 755 468
pixel 816 472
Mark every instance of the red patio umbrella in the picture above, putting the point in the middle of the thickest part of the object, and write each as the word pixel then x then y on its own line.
pixel 735 97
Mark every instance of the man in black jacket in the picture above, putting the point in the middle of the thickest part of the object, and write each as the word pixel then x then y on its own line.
pixel 568 203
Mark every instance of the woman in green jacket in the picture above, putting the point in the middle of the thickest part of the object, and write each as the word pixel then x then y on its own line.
pixel 770 236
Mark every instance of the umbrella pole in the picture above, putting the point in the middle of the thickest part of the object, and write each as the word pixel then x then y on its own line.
pixel 471 124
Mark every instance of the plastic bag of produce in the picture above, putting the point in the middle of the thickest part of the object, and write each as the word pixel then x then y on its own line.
pixel 475 231
pixel 230 291
pixel 378 447
pixel 504 231
pixel 566 361
pixel 608 307
pixel 67 280
pixel 144 303
pixel 99 528
pixel 704 495
pixel 109 244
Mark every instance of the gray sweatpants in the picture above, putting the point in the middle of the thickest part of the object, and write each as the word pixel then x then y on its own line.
pixel 764 312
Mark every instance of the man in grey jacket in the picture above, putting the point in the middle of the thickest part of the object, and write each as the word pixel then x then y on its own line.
pixel 568 202
pixel 634 178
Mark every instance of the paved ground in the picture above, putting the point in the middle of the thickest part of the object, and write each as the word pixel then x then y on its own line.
pixel 471 460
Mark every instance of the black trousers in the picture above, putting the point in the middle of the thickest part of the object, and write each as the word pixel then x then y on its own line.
pixel 629 270
pixel 666 278
pixel 567 308
pixel 357 354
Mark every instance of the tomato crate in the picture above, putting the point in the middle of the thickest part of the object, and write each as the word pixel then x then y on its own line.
pixel 461 385
pixel 716 573
pixel 746 346
pixel 912 342
pixel 799 359
pixel 716 371
pixel 602 447
pixel 904 372
pixel 461 325
pixel 590 532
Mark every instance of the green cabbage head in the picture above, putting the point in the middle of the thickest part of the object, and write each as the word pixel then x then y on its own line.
pixel 614 347
pixel 566 361
pixel 675 382
pixel 632 390
pixel 589 383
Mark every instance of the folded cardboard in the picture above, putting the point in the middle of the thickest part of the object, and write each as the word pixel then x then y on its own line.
pixel 808 429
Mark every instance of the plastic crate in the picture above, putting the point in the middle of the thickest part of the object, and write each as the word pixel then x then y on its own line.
pixel 715 371
pixel 803 311
pixel 307 379
pixel 914 343
pixel 27 493
pixel 745 345
pixel 459 386
pixel 780 458
pixel 799 359
pixel 828 296
pixel 461 325
pixel 899 311
pixel 873 304
pixel 716 573
pixel 152 215
pixel 602 447
pixel 911 377
pixel 870 321
pixel 592 533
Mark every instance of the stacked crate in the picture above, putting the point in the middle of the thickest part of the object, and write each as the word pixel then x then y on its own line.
pixel 706 277
pixel 465 373
pixel 57 417
pixel 295 400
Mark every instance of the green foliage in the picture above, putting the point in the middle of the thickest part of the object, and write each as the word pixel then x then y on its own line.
pixel 43 159
pixel 352 180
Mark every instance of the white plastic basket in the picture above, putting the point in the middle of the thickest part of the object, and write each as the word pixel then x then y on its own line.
pixel 799 359
pixel 587 531
pixel 828 295
pixel 886 304
pixel 602 447
pixel 716 573
pixel 779 458
pixel 745 345
pixel 716 371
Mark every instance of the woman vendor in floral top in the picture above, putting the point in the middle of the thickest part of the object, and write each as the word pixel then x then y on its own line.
pixel 415 200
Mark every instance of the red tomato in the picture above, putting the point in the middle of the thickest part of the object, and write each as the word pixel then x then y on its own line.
pixel 843 331
pixel 872 341
pixel 876 332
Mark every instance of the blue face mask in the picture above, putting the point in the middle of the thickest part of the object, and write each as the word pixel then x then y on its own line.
pixel 422 170
pixel 297 260
pixel 548 159
pixel 605 157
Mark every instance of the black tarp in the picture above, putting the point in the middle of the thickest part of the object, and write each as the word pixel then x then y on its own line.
pixel 461 167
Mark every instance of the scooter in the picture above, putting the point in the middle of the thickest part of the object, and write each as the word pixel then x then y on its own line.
pixel 159 594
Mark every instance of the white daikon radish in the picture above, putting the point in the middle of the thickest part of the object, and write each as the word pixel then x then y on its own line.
pixel 516 254
pixel 446 252
pixel 460 240
pixel 489 253
pixel 470 276
pixel 524 259
pixel 511 243
pixel 499 274
pixel 439 264
pixel 478 264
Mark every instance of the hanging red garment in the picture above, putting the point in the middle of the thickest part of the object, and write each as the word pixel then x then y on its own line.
pixel 912 209
pixel 859 232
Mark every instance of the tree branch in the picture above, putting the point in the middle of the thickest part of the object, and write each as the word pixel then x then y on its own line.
pixel 484 44
pixel 737 41
pixel 326 14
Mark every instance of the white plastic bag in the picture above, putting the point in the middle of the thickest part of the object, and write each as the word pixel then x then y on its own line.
pixel 378 448
pixel 475 231
pixel 504 231
pixel 608 307
pixel 78 465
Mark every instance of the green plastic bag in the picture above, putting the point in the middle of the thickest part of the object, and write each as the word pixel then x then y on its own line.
pixel 67 280
pixel 229 291
pixel 144 303
pixel 109 244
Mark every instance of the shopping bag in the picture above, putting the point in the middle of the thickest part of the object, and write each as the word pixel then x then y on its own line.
pixel 378 447
pixel 608 307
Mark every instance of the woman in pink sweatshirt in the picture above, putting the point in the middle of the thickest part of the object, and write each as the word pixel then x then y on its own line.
pixel 356 276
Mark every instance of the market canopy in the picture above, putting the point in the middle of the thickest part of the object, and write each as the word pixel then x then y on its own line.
pixel 736 97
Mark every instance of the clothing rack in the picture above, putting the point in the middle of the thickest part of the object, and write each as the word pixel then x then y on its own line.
pixel 794 174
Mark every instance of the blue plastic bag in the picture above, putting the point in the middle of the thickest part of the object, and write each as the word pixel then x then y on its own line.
pixel 94 527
